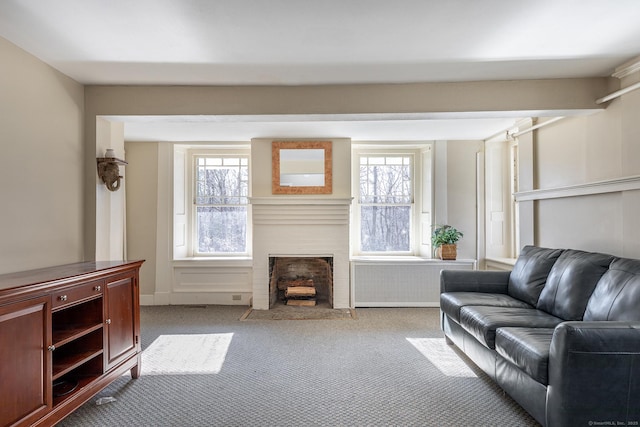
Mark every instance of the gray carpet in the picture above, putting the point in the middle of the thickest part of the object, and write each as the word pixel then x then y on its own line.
pixel 387 367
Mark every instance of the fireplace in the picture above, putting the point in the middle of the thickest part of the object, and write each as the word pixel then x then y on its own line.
pixel 301 281
pixel 300 228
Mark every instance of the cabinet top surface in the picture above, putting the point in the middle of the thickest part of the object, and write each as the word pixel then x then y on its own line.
pixel 61 272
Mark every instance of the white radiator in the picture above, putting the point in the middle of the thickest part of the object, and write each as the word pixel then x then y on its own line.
pixel 400 283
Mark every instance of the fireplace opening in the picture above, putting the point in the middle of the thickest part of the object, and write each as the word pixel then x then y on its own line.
pixel 301 281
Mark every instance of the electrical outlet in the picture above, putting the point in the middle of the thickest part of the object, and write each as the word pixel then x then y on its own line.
pixel 236 297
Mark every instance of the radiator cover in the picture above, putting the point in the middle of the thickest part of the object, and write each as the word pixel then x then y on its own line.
pixel 400 283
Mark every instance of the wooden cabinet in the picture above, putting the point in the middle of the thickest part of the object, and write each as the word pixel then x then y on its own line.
pixel 25 362
pixel 66 332
pixel 123 341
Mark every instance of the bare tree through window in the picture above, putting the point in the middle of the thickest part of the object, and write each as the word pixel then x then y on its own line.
pixel 221 197
pixel 386 196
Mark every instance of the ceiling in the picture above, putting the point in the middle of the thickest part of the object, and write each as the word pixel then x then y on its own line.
pixel 299 42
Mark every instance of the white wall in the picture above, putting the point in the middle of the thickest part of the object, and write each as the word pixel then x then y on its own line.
pixel 110 205
pixel 41 164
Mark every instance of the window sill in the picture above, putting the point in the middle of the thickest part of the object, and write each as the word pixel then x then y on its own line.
pixel 213 262
pixel 509 261
pixel 405 259
pixel 500 263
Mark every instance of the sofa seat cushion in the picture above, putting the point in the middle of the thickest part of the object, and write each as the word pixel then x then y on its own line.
pixel 452 302
pixel 527 348
pixel 482 321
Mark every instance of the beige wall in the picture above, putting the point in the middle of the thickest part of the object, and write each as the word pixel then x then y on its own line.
pixel 576 151
pixel 142 202
pixel 552 94
pixel 591 223
pixel 461 193
pixel 504 95
pixel 261 167
pixel 42 168
pixel 47 170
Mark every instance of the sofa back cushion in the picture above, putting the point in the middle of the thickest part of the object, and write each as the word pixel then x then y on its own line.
pixel 571 282
pixel 617 294
pixel 530 273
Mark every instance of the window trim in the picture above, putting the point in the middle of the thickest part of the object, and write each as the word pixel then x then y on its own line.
pixel 190 183
pixel 418 183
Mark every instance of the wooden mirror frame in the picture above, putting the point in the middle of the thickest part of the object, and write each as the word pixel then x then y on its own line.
pixel 276 146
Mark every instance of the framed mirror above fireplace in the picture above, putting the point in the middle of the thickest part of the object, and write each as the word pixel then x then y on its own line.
pixel 301 167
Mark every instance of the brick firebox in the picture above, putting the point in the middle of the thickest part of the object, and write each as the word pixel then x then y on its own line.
pixel 317 270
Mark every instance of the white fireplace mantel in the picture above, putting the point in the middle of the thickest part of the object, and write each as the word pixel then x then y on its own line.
pixel 299 200
pixel 300 225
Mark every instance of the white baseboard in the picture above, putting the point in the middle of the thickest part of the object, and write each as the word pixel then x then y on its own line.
pixel 147 300
pixel 191 298
pixel 397 304
pixel 211 298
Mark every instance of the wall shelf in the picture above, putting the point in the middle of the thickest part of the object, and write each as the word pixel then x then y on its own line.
pixel 109 171
pixel 112 160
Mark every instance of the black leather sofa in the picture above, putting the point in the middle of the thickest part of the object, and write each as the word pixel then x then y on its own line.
pixel 560 333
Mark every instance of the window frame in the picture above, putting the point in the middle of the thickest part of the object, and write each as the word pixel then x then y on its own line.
pixel 419 183
pixel 191 182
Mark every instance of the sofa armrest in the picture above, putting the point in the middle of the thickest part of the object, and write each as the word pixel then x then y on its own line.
pixel 594 374
pixel 495 282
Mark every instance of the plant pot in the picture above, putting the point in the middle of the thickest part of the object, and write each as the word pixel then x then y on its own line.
pixel 448 252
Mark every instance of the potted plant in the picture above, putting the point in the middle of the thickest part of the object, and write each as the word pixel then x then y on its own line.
pixel 444 240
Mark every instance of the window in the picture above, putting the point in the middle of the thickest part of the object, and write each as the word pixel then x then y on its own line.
pixel 385 203
pixel 221 190
pixel 392 185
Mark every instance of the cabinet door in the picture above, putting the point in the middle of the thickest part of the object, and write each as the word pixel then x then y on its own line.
pixel 122 319
pixel 25 335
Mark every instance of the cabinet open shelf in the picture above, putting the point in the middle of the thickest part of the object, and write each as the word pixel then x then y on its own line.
pixel 85 313
pixel 78 338
pixel 70 362
pixel 82 383
pixel 71 333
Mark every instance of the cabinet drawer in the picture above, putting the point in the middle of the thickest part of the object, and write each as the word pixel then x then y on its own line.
pixel 73 295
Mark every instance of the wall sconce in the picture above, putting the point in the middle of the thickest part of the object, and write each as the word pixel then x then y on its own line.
pixel 109 170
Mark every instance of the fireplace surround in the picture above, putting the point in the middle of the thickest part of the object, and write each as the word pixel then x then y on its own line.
pixel 301 227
